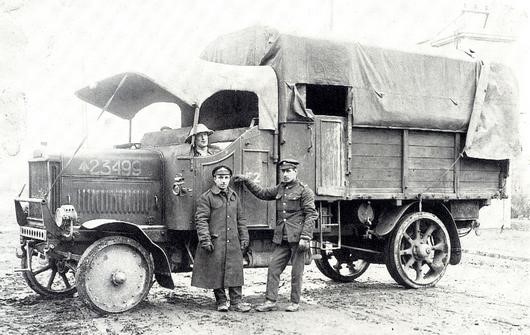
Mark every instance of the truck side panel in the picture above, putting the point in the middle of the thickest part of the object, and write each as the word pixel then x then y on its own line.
pixel 430 162
pixel 480 175
pixel 376 161
pixel 388 163
pixel 298 141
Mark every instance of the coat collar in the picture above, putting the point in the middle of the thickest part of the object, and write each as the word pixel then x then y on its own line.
pixel 216 190
pixel 291 183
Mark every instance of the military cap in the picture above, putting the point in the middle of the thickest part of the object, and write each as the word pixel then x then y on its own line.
pixel 221 169
pixel 288 164
pixel 199 129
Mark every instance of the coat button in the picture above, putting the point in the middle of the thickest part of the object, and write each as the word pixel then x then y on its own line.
pixel 284 211
pixel 228 216
pixel 228 228
pixel 283 203
pixel 227 241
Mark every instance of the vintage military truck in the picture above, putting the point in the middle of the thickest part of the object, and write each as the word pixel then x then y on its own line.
pixel 402 149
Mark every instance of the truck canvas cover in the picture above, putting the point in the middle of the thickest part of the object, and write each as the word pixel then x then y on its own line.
pixel 390 88
pixel 187 85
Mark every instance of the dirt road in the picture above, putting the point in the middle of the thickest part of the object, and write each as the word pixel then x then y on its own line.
pixel 482 295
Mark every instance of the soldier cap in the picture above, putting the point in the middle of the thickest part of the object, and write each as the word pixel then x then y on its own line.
pixel 285 164
pixel 199 129
pixel 221 170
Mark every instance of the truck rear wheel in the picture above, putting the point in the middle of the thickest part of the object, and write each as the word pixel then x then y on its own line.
pixel 418 251
pixel 49 277
pixel 114 274
pixel 340 265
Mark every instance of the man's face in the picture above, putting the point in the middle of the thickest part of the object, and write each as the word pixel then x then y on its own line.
pixel 288 175
pixel 222 181
pixel 201 140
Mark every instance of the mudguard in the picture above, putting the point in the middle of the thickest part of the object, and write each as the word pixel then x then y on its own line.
pixel 388 221
pixel 445 215
pixel 162 268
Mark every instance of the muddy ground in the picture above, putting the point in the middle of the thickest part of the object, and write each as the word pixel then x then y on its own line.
pixel 482 295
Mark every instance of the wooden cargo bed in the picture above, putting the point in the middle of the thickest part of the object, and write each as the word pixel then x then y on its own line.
pixel 386 163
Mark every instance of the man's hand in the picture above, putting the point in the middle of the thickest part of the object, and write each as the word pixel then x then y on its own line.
pixel 208 246
pixel 239 178
pixel 303 245
pixel 244 244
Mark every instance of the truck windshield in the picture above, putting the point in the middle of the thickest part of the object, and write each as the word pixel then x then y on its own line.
pixel 156 117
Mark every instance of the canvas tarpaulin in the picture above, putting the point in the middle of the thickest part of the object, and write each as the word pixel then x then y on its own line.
pixel 390 88
pixel 191 84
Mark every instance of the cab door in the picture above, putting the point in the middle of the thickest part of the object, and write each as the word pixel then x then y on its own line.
pixel 251 155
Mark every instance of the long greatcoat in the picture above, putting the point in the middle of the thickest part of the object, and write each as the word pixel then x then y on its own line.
pixel 219 219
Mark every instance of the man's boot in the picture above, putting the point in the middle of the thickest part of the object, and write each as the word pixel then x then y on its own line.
pixel 267 306
pixel 292 307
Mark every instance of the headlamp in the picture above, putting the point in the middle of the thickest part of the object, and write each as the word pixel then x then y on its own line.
pixel 64 215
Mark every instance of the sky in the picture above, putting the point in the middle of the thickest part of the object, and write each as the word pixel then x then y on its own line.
pixel 63 45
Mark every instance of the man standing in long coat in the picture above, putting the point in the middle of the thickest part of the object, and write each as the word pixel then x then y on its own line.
pixel 223 235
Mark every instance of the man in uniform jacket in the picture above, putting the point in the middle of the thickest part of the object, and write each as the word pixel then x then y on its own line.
pixel 295 215
pixel 223 235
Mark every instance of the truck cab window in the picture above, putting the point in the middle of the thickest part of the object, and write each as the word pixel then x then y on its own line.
pixel 229 109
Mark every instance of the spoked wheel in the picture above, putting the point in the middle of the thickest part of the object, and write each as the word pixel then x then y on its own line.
pixel 418 251
pixel 49 277
pixel 340 265
pixel 114 274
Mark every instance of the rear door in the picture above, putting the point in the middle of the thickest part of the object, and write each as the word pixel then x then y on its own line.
pixel 330 155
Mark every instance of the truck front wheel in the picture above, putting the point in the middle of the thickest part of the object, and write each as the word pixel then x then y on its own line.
pixel 114 274
pixel 418 251
pixel 49 277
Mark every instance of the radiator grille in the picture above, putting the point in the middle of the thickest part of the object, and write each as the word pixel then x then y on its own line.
pixel 94 201
pixel 41 176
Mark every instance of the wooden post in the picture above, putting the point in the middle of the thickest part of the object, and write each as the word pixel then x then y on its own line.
pixel 405 162
pixel 349 130
pixel 456 168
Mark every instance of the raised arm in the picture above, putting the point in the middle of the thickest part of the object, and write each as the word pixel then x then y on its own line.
pixel 263 193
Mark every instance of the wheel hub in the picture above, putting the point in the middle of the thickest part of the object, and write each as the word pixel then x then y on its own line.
pixel 422 251
pixel 118 278
pixel 114 274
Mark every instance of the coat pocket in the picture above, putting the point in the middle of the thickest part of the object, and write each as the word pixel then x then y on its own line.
pixel 216 203
pixel 293 202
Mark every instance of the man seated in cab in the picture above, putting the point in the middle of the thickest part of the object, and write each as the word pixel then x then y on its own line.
pixel 223 237
pixel 201 146
pixel 295 218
